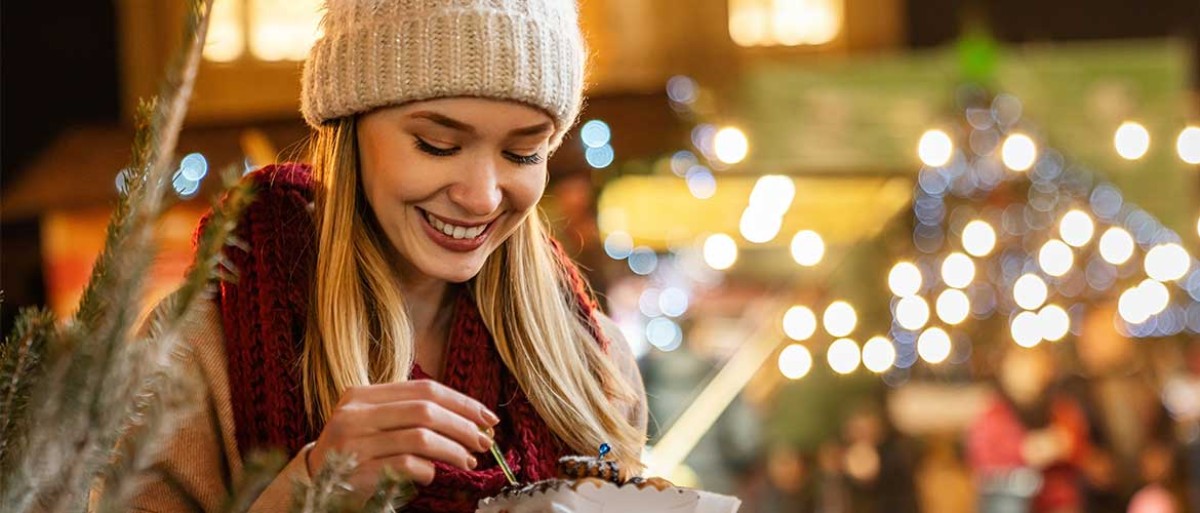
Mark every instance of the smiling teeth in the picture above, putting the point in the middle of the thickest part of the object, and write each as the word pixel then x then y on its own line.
pixel 458 232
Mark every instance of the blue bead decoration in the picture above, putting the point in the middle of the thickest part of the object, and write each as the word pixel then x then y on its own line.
pixel 604 449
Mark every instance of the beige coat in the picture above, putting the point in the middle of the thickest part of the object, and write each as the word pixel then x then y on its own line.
pixel 201 462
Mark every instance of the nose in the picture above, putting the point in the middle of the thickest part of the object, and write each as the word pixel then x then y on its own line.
pixel 477 188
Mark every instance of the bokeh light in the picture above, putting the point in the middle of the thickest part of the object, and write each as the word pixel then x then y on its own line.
pixel 1131 307
pixel 1167 262
pixel 1030 291
pixel 878 354
pixel 934 345
pixel 807 248
pixel 1077 228
pixel 595 133
pixel 799 323
pixel 979 238
pixel 935 148
pixel 912 313
pixel 701 182
pixel 730 145
pixel 758 225
pixel 643 261
pixel 1132 140
pixel 843 356
pixel 1026 329
pixel 720 251
pixel 795 361
pixel 673 302
pixel 1018 152
pixel 1055 323
pixel 1188 145
pixel 904 279
pixel 958 270
pixel 773 194
pixel 840 319
pixel 1154 296
pixel 664 334
pixel 1056 258
pixel 618 245
pixel 953 306
pixel 1116 246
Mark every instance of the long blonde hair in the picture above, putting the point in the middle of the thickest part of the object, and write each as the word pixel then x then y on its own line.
pixel 359 330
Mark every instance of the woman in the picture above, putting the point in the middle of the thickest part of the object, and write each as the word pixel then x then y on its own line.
pixel 418 299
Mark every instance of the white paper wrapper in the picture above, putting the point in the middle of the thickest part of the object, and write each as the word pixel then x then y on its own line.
pixel 591 497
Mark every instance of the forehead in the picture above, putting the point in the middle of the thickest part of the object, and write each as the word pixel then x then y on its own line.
pixel 483 114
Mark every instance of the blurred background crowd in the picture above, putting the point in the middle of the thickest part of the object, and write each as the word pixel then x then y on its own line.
pixel 872 255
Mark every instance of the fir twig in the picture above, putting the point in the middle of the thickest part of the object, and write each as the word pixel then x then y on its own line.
pixel 329 487
pixel 20 367
pixel 393 491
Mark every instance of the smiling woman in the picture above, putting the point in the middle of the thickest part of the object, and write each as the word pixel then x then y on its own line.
pixel 401 293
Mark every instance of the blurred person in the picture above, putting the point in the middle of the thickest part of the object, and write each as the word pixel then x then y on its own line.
pixel 879 463
pixel 1027 447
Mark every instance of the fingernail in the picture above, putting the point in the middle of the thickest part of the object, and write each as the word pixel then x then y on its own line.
pixel 490 417
pixel 485 442
pixel 472 463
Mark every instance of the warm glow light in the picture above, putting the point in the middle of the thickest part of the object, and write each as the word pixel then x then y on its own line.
pixel 1054 322
pixel 953 306
pixel 799 323
pixel 1018 152
pixel 843 356
pixel 808 248
pixel 933 345
pixel 1188 145
pixel 720 251
pixel 226 40
pixel 1030 291
pixel 1167 262
pixel 878 354
pixel 784 22
pixel 904 279
pixel 979 238
pixel 958 270
pixel 1077 228
pixel 1132 140
pixel 1026 329
pixel 912 313
pixel 731 145
pixel 283 29
pixel 795 361
pixel 935 148
pixel 840 319
pixel 759 225
pixel 1131 306
pixel 1056 258
pixel 1116 246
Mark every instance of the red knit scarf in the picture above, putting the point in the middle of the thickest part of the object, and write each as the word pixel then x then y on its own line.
pixel 264 316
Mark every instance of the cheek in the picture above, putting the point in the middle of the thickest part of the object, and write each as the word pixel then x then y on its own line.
pixel 526 190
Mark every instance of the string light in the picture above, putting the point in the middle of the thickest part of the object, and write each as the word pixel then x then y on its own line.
pixel 933 345
pixel 1116 246
pixel 912 313
pixel 1056 258
pixel 904 279
pixel 843 356
pixel 840 319
pixel 979 238
pixel 1018 152
pixel 935 148
pixel 799 323
pixel 795 361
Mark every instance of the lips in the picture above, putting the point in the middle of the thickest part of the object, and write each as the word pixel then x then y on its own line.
pixel 452 237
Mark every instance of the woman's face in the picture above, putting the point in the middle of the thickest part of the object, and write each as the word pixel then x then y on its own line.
pixel 449 180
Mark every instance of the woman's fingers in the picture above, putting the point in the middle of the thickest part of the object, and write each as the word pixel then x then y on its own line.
pixel 421 442
pixel 418 469
pixel 411 414
pixel 424 390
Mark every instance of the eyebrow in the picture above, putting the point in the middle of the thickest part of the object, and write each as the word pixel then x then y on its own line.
pixel 455 124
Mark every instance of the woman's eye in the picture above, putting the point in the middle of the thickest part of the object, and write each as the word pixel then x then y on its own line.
pixel 434 150
pixel 524 160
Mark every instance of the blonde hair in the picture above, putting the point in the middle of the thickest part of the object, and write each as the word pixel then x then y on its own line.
pixel 359 331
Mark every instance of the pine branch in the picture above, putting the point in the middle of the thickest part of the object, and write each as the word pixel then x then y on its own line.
pixel 21 360
pixel 329 487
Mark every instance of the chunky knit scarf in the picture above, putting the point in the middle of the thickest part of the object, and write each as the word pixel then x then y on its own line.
pixel 264 316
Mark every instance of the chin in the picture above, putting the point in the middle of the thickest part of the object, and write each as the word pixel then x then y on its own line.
pixel 453 273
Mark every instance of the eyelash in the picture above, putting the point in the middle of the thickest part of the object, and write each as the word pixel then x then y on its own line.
pixel 523 160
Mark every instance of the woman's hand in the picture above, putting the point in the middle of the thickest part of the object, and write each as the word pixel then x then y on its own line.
pixel 406 426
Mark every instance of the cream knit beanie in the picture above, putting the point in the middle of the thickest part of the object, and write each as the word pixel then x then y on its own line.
pixel 377 53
